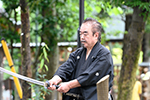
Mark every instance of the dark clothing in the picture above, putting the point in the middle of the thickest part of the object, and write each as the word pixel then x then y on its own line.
pixel 88 72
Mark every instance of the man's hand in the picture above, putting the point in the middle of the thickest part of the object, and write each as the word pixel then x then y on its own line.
pixel 54 81
pixel 64 87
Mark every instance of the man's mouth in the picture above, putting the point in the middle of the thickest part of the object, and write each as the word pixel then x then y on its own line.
pixel 83 41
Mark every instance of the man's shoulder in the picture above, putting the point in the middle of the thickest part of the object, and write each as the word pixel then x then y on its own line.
pixel 103 49
pixel 77 51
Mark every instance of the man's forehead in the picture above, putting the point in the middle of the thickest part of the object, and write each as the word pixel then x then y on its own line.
pixel 85 27
pixel 88 24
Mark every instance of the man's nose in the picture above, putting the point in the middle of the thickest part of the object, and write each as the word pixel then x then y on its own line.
pixel 82 36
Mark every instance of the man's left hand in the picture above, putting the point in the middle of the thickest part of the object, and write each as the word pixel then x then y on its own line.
pixel 64 87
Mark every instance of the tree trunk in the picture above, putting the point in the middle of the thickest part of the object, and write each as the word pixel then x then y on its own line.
pixel 25 48
pixel 131 50
pixel 1 74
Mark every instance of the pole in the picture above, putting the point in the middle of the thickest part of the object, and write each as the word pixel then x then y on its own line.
pixel 81 18
pixel 102 88
pixel 7 54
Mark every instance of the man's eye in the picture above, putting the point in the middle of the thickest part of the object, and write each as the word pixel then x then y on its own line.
pixel 85 34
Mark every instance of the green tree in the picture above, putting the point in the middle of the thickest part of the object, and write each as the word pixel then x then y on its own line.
pixel 131 45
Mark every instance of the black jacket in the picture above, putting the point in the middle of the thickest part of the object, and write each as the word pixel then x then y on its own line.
pixel 89 72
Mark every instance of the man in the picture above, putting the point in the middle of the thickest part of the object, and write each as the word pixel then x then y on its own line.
pixel 85 66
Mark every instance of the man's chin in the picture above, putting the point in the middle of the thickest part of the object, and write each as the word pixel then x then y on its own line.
pixel 83 45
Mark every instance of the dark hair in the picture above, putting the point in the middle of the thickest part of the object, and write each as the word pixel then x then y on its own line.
pixel 96 26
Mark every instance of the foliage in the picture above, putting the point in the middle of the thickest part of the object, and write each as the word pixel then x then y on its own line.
pixel 64 18
pixel 8 21
pixel 44 56
pixel 143 4
pixel 7 30
pixel 103 11
pixel 117 53
pixel 67 16
pixel 40 89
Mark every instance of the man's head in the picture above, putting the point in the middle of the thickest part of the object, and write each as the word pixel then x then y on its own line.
pixel 90 32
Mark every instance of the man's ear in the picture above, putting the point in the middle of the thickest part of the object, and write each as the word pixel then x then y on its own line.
pixel 96 35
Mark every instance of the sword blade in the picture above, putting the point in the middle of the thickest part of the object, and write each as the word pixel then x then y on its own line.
pixel 23 77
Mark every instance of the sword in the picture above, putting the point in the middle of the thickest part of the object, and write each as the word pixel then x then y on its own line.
pixel 45 84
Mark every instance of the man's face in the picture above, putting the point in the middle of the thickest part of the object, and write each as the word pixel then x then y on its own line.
pixel 86 36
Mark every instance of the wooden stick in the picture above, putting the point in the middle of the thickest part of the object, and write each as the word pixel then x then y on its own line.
pixel 102 88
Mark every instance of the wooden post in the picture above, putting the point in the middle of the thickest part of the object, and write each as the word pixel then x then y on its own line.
pixel 102 88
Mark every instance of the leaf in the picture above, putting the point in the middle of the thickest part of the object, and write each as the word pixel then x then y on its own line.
pixel 45 53
pixel 41 56
pixel 46 67
pixel 98 9
pixel 47 47
pixel 41 64
pixel 47 59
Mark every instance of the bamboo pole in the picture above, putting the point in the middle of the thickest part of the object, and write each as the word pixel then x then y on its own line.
pixel 10 62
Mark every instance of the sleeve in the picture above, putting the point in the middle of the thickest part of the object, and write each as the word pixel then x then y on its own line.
pixel 99 68
pixel 66 69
